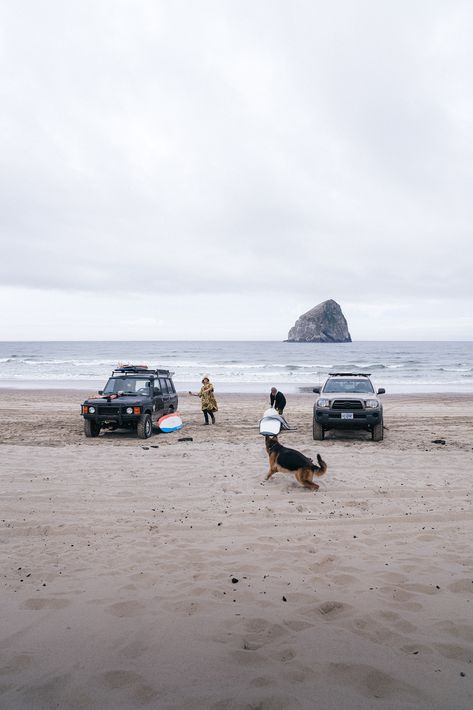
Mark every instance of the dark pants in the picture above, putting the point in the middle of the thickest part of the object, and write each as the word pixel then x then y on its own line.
pixel 206 415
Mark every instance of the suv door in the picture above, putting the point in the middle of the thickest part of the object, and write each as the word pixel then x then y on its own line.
pixel 158 400
pixel 172 396
pixel 163 383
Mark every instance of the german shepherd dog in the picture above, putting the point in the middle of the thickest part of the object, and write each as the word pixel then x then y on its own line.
pixel 284 460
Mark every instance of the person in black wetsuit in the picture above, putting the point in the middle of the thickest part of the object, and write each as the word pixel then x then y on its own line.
pixel 277 400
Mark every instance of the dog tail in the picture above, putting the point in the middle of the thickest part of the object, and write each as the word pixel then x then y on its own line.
pixel 321 468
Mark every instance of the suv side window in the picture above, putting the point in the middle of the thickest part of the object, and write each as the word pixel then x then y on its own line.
pixel 171 388
pixel 163 386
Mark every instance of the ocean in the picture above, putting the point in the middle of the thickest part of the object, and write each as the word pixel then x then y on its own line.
pixel 237 366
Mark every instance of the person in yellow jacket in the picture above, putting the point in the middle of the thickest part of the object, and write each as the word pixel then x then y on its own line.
pixel 208 401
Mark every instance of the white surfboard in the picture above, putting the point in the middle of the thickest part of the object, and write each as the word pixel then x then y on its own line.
pixel 271 412
pixel 170 422
pixel 269 426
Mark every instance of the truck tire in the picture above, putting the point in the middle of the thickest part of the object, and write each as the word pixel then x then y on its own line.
pixel 377 431
pixel 145 426
pixel 318 432
pixel 91 428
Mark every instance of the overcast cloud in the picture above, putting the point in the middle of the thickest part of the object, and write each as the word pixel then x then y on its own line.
pixel 214 169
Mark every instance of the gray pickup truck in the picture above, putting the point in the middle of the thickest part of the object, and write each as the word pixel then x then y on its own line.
pixel 348 400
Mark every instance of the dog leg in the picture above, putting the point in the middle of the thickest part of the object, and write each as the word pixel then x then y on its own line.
pixel 304 476
pixel 272 469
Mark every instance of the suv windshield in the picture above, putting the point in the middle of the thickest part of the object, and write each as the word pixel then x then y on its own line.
pixel 128 385
pixel 348 386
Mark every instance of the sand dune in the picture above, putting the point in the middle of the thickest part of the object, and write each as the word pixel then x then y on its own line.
pixel 175 577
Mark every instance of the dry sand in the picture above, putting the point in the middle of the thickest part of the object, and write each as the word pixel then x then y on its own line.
pixel 177 578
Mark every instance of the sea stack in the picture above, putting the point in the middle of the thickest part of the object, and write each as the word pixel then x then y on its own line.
pixel 324 323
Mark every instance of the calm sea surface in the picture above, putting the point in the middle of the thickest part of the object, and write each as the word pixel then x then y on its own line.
pixel 243 366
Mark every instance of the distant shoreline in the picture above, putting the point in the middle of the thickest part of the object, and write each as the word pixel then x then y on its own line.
pixel 236 388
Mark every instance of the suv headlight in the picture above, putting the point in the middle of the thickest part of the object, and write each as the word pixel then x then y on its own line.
pixel 129 410
pixel 323 402
pixel 372 403
pixel 91 410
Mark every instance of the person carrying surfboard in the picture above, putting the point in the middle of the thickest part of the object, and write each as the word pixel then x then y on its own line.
pixel 208 401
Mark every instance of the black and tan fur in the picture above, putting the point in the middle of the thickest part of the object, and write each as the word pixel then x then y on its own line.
pixel 284 460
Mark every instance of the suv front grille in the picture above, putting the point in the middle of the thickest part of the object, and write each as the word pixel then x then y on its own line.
pixel 347 404
pixel 104 410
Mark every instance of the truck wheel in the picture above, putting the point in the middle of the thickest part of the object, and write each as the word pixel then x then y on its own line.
pixel 377 432
pixel 91 428
pixel 145 427
pixel 318 432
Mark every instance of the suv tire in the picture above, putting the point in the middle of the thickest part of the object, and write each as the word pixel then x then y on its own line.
pixel 318 432
pixel 377 431
pixel 145 426
pixel 91 428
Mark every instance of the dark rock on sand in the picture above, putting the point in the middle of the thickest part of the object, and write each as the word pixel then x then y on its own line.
pixel 324 323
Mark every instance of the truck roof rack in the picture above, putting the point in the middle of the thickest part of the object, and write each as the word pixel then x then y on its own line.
pixel 349 374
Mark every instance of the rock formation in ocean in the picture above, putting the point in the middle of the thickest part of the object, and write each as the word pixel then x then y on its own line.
pixel 324 323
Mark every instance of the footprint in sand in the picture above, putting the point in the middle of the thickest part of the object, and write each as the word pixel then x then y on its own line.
pixel 324 564
pixel 296 625
pixel 398 622
pixel 375 628
pixel 459 631
pixel 45 694
pixel 285 655
pixel 135 649
pixel 134 682
pixel 270 702
pixel 248 658
pixel 41 603
pixel 264 628
pixel 332 608
pixel 126 609
pixel 455 652
pixel 370 682
pixel 462 585
pixel 261 682
pixel 16 664
pixel 259 633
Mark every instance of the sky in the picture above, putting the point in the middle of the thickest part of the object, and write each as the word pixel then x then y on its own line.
pixel 214 169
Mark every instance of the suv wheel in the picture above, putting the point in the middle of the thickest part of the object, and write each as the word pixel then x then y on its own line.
pixel 91 428
pixel 145 427
pixel 318 432
pixel 377 432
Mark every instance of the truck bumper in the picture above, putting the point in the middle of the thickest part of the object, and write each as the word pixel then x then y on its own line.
pixel 332 419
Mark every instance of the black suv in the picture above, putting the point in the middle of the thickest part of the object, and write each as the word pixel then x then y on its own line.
pixel 348 401
pixel 134 398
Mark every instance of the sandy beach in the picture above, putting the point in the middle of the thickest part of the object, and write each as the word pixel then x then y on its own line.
pixel 169 574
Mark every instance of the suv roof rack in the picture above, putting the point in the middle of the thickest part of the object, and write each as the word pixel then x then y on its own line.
pixel 349 374
pixel 141 370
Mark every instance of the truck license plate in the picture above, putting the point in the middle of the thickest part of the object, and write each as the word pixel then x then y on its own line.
pixel 347 415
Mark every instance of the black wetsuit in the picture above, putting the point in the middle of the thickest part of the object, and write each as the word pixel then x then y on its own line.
pixel 278 401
